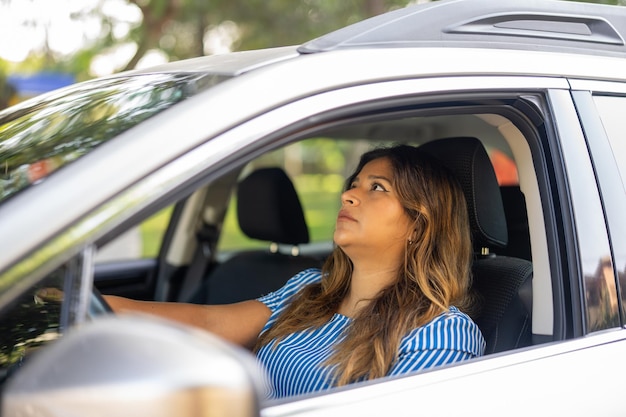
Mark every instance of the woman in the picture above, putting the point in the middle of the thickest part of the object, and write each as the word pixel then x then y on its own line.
pixel 388 299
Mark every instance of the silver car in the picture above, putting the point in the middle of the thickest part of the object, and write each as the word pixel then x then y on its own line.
pixel 133 185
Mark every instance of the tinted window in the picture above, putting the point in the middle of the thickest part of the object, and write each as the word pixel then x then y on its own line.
pixel 612 110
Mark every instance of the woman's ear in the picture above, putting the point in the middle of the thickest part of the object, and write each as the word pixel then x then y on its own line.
pixel 412 236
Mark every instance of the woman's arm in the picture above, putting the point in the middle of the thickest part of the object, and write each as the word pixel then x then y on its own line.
pixel 239 323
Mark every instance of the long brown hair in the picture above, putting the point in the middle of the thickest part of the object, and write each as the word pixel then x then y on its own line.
pixel 435 273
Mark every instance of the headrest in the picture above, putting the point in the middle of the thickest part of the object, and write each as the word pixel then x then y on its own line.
pixel 268 208
pixel 467 158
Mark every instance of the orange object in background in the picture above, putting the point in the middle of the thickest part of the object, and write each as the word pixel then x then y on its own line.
pixel 506 170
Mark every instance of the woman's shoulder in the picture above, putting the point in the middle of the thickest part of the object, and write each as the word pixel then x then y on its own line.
pixel 291 287
pixel 452 330
pixel 300 280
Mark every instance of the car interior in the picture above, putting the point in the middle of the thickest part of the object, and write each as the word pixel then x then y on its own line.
pixel 245 232
pixel 265 201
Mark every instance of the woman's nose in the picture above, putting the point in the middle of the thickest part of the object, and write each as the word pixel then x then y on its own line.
pixel 349 197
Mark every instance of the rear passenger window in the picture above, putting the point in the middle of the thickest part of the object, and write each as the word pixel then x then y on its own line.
pixel 612 111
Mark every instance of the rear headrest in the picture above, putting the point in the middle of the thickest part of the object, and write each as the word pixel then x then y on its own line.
pixel 467 158
pixel 268 208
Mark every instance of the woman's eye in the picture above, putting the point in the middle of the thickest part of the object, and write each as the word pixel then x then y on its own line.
pixel 378 187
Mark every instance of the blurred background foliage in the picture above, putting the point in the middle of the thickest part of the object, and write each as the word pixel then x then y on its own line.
pixel 125 34
pixel 129 31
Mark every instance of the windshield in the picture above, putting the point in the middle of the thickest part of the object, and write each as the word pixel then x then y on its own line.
pixel 44 134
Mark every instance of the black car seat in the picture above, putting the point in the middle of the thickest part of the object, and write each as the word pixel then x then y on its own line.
pixel 516 222
pixel 268 209
pixel 502 282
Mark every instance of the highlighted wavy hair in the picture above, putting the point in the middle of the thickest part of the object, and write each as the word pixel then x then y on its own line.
pixel 435 273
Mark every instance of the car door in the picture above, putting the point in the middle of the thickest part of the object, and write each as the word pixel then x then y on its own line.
pixel 576 320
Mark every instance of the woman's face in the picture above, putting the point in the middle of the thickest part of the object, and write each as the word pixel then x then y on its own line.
pixel 372 221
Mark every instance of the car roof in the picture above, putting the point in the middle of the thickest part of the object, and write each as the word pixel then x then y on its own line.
pixel 549 25
pixel 230 65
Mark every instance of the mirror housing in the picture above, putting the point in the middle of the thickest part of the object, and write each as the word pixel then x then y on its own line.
pixel 136 366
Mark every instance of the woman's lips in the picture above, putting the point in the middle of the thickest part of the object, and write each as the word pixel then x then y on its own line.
pixel 344 216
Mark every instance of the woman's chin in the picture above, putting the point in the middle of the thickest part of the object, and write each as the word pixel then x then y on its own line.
pixel 341 239
pixel 344 244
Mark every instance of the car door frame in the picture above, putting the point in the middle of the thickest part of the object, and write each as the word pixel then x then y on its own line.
pixel 607 171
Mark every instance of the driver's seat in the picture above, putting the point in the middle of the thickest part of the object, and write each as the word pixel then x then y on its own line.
pixel 503 282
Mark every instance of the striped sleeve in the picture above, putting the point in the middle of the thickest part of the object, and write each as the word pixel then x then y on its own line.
pixel 449 338
pixel 276 301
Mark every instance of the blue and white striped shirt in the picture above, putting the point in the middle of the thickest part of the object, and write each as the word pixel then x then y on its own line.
pixel 294 366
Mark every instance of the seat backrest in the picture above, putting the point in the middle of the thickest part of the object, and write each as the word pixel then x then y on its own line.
pixel 516 222
pixel 268 209
pixel 501 281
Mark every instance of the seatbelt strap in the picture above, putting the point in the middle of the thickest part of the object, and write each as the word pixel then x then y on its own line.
pixel 205 242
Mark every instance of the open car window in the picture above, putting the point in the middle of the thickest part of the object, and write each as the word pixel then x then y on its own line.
pixel 318 167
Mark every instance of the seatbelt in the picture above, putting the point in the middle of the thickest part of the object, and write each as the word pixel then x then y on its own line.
pixel 205 244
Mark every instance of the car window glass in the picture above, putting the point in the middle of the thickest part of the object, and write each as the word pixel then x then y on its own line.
pixel 30 322
pixel 43 134
pixel 611 111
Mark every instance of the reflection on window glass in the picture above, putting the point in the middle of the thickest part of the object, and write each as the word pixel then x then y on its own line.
pixel 32 321
pixel 612 110
pixel 42 135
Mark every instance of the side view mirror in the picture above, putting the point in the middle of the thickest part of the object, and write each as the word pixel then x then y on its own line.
pixel 136 366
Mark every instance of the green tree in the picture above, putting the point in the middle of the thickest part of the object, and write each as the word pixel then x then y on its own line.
pixel 182 29
pixel 179 28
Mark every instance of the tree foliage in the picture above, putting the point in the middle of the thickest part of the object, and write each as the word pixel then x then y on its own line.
pixel 181 29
